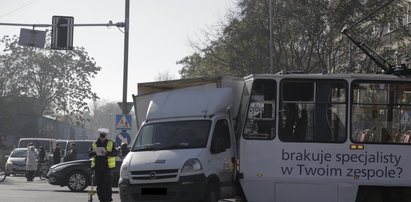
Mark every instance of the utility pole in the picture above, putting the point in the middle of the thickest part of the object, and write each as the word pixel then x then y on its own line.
pixel 125 70
pixel 271 36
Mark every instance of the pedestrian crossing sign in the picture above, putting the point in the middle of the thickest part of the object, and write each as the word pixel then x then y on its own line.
pixel 405 118
pixel 123 122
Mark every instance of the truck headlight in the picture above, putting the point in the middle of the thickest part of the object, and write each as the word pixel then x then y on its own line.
pixel 191 166
pixel 9 162
pixel 124 170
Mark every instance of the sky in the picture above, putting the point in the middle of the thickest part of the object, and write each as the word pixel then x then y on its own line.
pixel 160 31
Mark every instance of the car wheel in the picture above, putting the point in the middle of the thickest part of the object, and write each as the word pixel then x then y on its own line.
pixel 2 174
pixel 77 181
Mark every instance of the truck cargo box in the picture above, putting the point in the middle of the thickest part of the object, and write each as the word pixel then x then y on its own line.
pixel 147 90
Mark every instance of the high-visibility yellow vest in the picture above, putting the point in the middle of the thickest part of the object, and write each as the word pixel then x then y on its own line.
pixel 111 160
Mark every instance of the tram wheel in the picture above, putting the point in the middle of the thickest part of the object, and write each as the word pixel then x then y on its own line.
pixel 369 194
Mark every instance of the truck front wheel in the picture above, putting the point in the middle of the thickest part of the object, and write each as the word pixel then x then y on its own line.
pixel 212 193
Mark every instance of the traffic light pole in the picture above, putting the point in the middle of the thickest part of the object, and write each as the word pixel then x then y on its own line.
pixel 125 69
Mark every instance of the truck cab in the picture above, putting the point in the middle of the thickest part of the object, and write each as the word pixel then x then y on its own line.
pixel 184 151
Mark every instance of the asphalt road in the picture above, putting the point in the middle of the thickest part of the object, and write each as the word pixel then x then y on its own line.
pixel 16 189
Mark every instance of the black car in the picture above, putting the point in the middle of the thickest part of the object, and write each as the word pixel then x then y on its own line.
pixel 76 175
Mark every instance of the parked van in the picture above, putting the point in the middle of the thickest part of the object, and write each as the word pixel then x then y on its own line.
pixel 48 144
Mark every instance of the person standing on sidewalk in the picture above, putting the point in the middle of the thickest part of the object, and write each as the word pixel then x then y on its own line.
pixel 103 153
pixel 31 163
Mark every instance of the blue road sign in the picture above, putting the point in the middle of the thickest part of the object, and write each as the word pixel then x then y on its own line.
pixel 123 138
pixel 123 122
pixel 405 118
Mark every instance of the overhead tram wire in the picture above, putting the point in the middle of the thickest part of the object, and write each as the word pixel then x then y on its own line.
pixel 21 7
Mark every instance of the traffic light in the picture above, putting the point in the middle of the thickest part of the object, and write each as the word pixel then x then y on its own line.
pixel 62 36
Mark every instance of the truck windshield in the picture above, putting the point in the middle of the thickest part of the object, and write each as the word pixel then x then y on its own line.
pixel 173 135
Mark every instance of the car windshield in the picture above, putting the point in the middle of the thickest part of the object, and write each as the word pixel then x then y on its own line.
pixel 172 135
pixel 19 153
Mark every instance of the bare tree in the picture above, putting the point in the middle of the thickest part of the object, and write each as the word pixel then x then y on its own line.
pixel 164 76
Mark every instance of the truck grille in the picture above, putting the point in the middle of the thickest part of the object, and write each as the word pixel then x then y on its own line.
pixel 154 174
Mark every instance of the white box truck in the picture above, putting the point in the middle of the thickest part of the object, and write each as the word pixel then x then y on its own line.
pixel 186 147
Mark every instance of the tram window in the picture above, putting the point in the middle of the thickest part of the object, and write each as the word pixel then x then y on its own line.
pixel 298 91
pixel 313 111
pixel 381 112
pixel 260 119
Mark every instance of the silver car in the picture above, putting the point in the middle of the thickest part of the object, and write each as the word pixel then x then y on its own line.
pixel 16 162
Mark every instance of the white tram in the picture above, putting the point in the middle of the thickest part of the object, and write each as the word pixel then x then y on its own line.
pixel 325 137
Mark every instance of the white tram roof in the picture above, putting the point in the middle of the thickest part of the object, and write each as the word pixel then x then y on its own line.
pixel 331 76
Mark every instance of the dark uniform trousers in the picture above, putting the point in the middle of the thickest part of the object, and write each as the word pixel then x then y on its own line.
pixel 103 181
pixel 103 174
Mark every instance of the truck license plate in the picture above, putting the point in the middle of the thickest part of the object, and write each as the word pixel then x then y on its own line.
pixel 154 191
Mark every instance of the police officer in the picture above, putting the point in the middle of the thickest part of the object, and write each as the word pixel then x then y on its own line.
pixel 103 153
